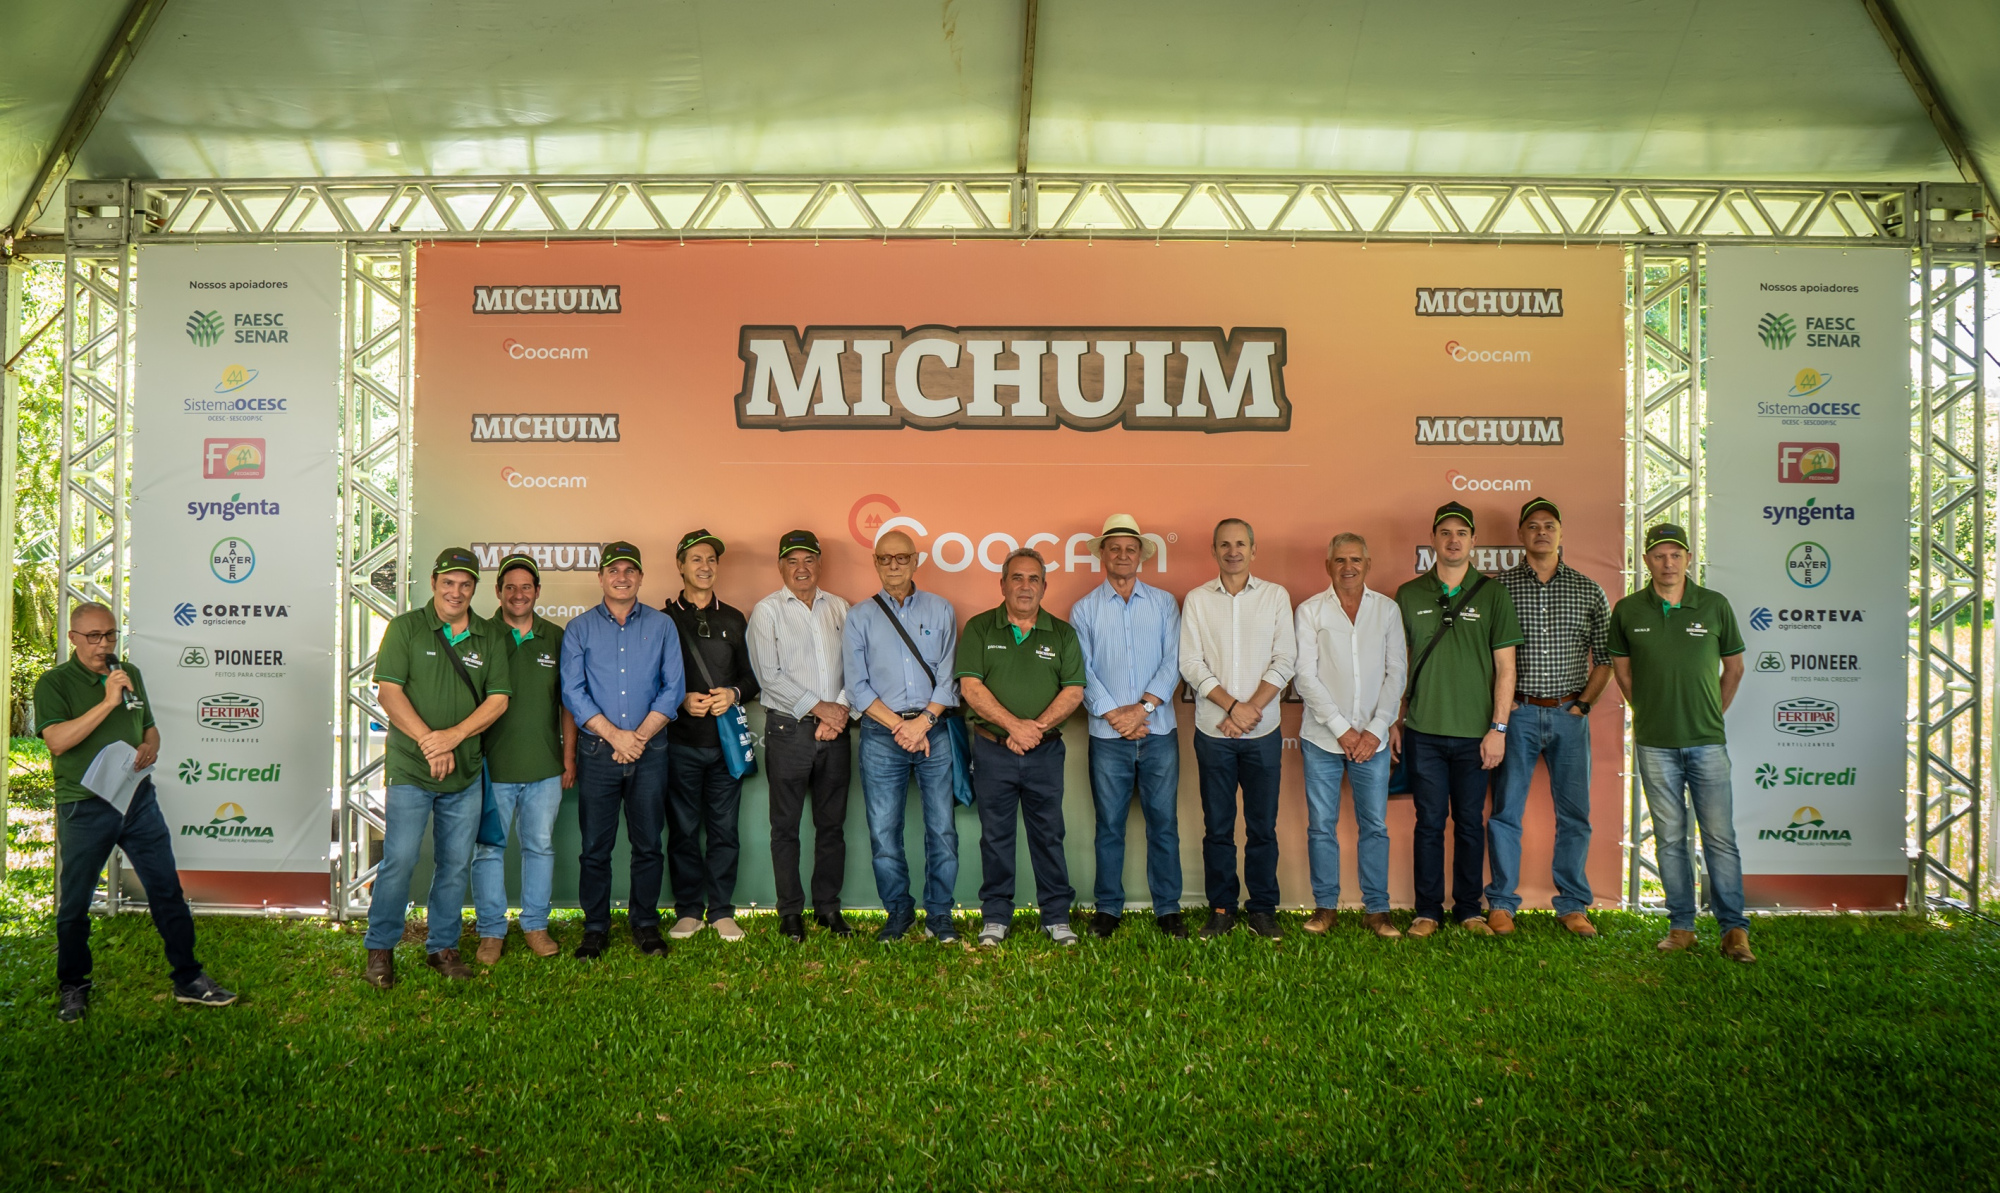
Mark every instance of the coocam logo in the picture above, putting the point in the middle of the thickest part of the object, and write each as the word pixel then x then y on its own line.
pixel 1808 381
pixel 232 459
pixel 232 560
pixel 204 328
pixel 1777 330
pixel 515 479
pixel 232 509
pixel 1808 827
pixel 1805 716
pixel 229 712
pixel 1808 564
pixel 1763 618
pixel 1805 515
pixel 955 551
pixel 516 350
pixel 1769 776
pixel 235 377
pixel 1462 354
pixel 1808 463
pixel 193 771
pixel 230 823
pixel 1487 484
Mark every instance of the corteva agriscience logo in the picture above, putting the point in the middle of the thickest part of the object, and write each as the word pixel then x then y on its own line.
pixel 1492 302
pixel 1763 618
pixel 546 300
pixel 1083 378
pixel 549 557
pixel 187 613
pixel 1805 717
pixel 229 712
pixel 1808 827
pixel 204 328
pixel 1768 776
pixel 230 823
pixel 545 428
pixel 1462 430
pixel 1777 330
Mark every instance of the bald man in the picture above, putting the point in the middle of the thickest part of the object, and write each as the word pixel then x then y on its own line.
pixel 899 647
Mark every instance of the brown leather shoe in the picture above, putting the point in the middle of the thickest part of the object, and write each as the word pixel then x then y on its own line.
pixel 1381 925
pixel 1322 921
pixel 1677 940
pixel 1477 925
pixel 1578 923
pixel 1423 925
pixel 1501 921
pixel 1736 945
pixel 446 962
pixel 381 971
pixel 490 948
pixel 541 944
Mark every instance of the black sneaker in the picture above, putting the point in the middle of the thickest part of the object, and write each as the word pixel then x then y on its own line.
pixel 1264 924
pixel 1220 923
pixel 203 992
pixel 792 927
pixel 833 922
pixel 942 929
pixel 1172 924
pixel 75 1003
pixel 1104 926
pixel 898 927
pixel 593 945
pixel 649 942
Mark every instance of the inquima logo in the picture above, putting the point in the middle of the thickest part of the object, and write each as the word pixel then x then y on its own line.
pixel 1504 303
pixel 546 300
pixel 1808 827
pixel 230 823
pixel 1083 378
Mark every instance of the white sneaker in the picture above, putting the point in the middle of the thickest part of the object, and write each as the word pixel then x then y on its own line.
pixel 1062 934
pixel 992 933
pixel 728 929
pixel 684 927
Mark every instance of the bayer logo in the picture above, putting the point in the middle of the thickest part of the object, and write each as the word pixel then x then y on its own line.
pixel 1760 618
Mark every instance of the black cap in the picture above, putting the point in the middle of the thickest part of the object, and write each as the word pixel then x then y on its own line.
pixel 456 559
pixel 1452 509
pixel 692 537
pixel 1539 503
pixel 797 540
pixel 613 552
pixel 519 559
pixel 1667 532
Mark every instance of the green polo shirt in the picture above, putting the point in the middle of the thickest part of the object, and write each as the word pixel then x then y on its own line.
pixel 1676 658
pixel 525 744
pixel 1024 675
pixel 412 655
pixel 68 691
pixel 1454 696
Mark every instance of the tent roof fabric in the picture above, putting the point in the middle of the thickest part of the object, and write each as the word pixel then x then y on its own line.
pixel 1695 89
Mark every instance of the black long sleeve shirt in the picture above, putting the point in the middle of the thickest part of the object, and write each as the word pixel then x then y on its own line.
pixel 726 650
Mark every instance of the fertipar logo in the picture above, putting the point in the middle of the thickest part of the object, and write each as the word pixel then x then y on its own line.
pixel 1491 302
pixel 1808 827
pixel 204 328
pixel 1082 378
pixel 545 428
pixel 1805 717
pixel 1777 331
pixel 230 823
pixel 1460 430
pixel 229 712
pixel 546 300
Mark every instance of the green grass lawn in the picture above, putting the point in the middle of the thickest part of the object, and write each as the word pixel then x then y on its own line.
pixel 1859 1054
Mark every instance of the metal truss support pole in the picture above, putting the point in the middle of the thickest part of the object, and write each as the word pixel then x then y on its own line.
pixel 1664 451
pixel 1950 429
pixel 377 380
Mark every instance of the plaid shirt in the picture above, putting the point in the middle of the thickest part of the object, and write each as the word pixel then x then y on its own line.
pixel 1564 621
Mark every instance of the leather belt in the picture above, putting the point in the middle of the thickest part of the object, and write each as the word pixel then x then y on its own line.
pixel 913 714
pixel 1546 701
pixel 989 735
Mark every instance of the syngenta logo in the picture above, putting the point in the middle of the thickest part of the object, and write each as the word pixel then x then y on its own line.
pixel 193 771
pixel 1465 355
pixel 1505 303
pixel 1457 430
pixel 204 328
pixel 515 479
pixel 232 509
pixel 516 350
pixel 229 712
pixel 1777 330
pixel 957 550
pixel 1805 717
pixel 1769 776
pixel 545 428
pixel 549 557
pixel 230 823
pixel 1805 515
pixel 1083 378
pixel 546 300
pixel 1487 484
pixel 1808 827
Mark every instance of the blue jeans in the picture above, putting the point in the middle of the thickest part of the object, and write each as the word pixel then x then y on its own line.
pixel 454 821
pixel 1370 780
pixel 886 770
pixel 1702 773
pixel 1151 769
pixel 1224 764
pixel 1556 734
pixel 537 804
pixel 604 787
pixel 86 832
pixel 1447 779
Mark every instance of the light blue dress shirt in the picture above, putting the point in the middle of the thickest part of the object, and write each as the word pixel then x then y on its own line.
pixel 1129 648
pixel 880 666
pixel 622 672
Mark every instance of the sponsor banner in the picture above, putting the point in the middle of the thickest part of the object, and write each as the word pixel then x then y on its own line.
pixel 233 550
pixel 983 397
pixel 1809 381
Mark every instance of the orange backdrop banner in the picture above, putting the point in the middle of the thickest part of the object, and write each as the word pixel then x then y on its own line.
pixel 984 395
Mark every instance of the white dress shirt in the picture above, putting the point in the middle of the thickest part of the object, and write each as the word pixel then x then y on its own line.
pixel 795 649
pixel 1350 671
pixel 1235 643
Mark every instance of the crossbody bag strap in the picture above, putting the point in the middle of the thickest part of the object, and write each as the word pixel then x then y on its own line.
pixel 1450 619
pixel 907 640
pixel 458 665
pixel 701 664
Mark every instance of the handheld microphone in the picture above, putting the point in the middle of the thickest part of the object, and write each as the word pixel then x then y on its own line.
pixel 130 697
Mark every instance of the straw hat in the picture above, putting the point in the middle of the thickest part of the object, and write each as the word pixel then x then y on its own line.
pixel 1127 526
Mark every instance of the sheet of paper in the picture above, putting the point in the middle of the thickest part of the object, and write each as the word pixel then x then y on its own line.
pixel 111 778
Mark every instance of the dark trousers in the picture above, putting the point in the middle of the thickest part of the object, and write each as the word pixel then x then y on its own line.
pixel 604 787
pixel 702 798
pixel 86 832
pixel 801 767
pixel 1445 777
pixel 1225 764
pixel 1003 781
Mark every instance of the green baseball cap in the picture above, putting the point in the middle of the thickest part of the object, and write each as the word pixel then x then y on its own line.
pixel 692 537
pixel 1539 503
pixel 1667 532
pixel 797 540
pixel 1452 509
pixel 519 559
pixel 456 559
pixel 613 552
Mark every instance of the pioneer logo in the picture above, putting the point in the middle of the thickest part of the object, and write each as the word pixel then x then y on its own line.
pixel 545 300
pixel 1504 303
pixel 1085 378
pixel 1463 430
pixel 545 428
pixel 548 557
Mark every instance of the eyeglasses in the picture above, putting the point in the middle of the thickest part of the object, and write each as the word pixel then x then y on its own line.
pixel 895 561
pixel 97 637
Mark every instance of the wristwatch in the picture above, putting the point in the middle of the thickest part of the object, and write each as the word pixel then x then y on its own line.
pixel 1149 706
pixel 1499 727
pixel 1582 706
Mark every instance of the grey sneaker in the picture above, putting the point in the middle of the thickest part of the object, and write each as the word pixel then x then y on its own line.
pixel 684 927
pixel 992 933
pixel 1061 933
pixel 75 1002
pixel 203 992
pixel 728 929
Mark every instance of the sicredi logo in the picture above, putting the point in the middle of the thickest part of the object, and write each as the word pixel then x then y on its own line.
pixel 1083 378
pixel 229 712
pixel 546 300
pixel 516 350
pixel 548 557
pixel 193 771
pixel 1466 355
pixel 232 459
pixel 1769 776
pixel 545 428
pixel 1468 430
pixel 232 560
pixel 1462 483
pixel 515 479
pixel 1491 302
pixel 1805 716
pixel 1485 559
pixel 1763 618
pixel 1805 515
pixel 232 509
pixel 1808 463
pixel 1808 564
